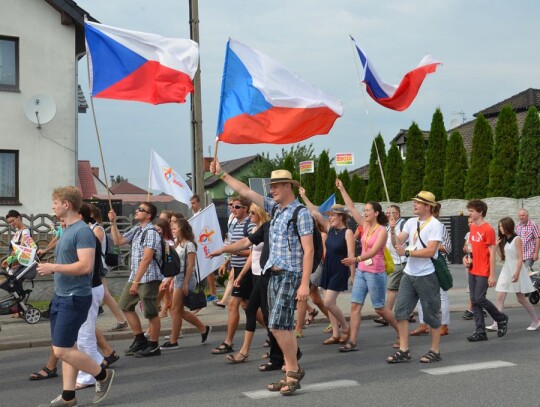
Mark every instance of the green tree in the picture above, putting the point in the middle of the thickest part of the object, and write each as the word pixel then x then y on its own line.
pixel 456 168
pixel 330 185
pixel 357 189
pixel 265 165
pixel 393 173
pixel 436 149
pixel 322 171
pixel 477 178
pixel 413 170
pixel 375 187
pixel 527 183
pixel 346 179
pixel 505 154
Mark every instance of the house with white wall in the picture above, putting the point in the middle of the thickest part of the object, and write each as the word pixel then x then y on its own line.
pixel 40 44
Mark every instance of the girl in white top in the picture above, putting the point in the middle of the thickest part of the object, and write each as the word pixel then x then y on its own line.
pixel 513 277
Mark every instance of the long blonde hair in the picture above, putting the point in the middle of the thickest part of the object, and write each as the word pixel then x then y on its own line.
pixel 263 216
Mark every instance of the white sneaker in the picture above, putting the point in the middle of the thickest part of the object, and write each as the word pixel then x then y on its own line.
pixel 492 327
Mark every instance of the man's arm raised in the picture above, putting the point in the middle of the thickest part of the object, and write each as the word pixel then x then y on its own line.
pixel 238 186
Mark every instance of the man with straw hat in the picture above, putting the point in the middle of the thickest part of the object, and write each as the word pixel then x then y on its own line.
pixel 289 264
pixel 419 281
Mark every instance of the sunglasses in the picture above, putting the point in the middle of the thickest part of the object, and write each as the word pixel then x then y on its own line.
pixel 141 209
pixel 238 206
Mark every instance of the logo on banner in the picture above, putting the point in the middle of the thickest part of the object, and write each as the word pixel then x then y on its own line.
pixel 170 177
pixel 344 159
pixel 205 238
pixel 307 167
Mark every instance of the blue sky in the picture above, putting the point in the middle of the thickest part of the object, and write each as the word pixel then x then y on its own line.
pixel 487 47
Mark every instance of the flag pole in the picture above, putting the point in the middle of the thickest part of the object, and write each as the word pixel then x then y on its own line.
pixel 150 174
pixel 355 57
pixel 216 143
pixel 96 127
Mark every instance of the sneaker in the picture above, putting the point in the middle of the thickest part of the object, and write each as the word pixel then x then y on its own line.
pixel 477 337
pixel 103 387
pixel 204 335
pixel 169 346
pixel 492 327
pixel 60 402
pixel 211 298
pixel 136 346
pixel 502 327
pixel 468 315
pixel 149 351
pixel 120 326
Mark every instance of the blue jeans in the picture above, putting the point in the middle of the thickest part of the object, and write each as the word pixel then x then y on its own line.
pixel 374 283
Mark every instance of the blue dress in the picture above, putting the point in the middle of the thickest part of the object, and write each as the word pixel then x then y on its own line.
pixel 335 275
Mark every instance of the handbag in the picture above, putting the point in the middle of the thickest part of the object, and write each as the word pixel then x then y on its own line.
pixel 195 299
pixel 446 281
pixel 389 265
pixel 315 278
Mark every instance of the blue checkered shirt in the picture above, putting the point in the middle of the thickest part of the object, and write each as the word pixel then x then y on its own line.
pixel 281 238
pixel 152 240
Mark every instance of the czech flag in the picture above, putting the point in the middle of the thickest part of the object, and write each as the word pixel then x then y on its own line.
pixel 264 102
pixel 395 97
pixel 131 65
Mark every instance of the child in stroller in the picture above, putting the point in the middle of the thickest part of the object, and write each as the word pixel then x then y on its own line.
pixel 16 300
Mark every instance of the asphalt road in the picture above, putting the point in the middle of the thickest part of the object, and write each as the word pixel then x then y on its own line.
pixel 192 376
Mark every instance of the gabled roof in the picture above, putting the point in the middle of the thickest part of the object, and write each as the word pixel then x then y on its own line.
pixel 86 181
pixel 519 102
pixel 401 137
pixel 82 104
pixel 125 187
pixel 362 172
pixel 231 166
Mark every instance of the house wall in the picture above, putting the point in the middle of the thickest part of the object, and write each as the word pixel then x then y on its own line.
pixel 47 156
pixel 217 191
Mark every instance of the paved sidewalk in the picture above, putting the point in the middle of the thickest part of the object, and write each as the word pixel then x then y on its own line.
pixel 16 333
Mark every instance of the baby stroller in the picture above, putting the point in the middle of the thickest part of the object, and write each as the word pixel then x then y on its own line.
pixel 534 297
pixel 16 300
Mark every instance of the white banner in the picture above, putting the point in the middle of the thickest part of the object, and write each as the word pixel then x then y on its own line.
pixel 165 179
pixel 208 238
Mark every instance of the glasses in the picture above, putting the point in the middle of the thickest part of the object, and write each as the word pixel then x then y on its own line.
pixel 141 209
pixel 238 206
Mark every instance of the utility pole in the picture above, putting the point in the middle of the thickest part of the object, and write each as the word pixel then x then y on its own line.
pixel 197 177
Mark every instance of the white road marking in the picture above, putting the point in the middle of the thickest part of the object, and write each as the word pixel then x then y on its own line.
pixel 469 367
pixel 337 384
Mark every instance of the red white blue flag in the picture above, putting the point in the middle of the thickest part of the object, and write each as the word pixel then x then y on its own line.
pixel 131 65
pixel 262 101
pixel 395 97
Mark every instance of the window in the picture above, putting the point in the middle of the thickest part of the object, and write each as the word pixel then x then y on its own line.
pixel 9 64
pixel 9 177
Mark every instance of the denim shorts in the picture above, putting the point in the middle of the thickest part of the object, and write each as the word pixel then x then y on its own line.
pixel 374 283
pixel 67 316
pixel 179 281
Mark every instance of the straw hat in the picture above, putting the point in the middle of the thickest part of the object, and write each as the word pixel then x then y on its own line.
pixel 425 197
pixel 337 208
pixel 278 176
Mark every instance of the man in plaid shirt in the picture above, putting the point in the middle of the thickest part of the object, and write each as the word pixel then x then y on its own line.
pixel 529 233
pixel 144 280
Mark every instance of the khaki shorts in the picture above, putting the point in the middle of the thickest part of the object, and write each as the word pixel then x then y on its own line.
pixel 147 294
pixel 395 278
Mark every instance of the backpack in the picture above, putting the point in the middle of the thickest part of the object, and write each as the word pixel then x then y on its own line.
pixel 112 252
pixel 170 265
pixel 317 238
pixel 98 272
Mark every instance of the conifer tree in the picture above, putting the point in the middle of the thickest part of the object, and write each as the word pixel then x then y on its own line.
pixel 527 182
pixel 393 173
pixel 357 189
pixel 375 187
pixel 477 179
pixel 456 168
pixel 413 170
pixel 435 153
pixel 322 171
pixel 346 179
pixel 505 154
pixel 331 184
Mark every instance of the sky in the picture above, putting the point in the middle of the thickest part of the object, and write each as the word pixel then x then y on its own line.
pixel 487 48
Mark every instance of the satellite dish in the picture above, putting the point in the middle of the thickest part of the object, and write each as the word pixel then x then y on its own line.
pixel 229 191
pixel 454 123
pixel 40 109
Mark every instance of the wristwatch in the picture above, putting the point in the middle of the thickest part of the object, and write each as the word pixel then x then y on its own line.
pixel 407 253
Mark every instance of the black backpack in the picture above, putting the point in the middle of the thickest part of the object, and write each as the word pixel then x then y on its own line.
pixel 170 266
pixel 317 238
pixel 97 274
pixel 112 252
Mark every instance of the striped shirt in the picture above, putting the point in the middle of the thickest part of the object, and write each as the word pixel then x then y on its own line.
pixel 238 232
pixel 152 240
pixel 285 248
pixel 528 233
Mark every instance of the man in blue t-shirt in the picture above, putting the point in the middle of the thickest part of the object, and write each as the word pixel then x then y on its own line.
pixel 73 269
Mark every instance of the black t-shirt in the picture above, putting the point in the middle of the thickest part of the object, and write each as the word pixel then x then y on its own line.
pixel 262 235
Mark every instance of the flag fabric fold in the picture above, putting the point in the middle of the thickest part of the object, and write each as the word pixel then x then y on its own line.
pixel 132 65
pixel 165 179
pixel 395 97
pixel 262 101
pixel 208 237
pixel 327 205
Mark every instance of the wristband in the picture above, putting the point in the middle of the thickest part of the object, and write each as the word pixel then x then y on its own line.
pixel 222 174
pixel 135 282
pixel 359 258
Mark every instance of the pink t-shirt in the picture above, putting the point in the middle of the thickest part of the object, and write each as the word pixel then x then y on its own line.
pixel 377 261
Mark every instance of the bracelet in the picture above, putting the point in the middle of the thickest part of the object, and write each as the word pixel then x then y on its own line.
pixel 135 282
pixel 359 258
pixel 222 174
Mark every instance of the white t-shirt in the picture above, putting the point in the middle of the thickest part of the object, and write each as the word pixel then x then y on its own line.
pixel 399 228
pixel 430 230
